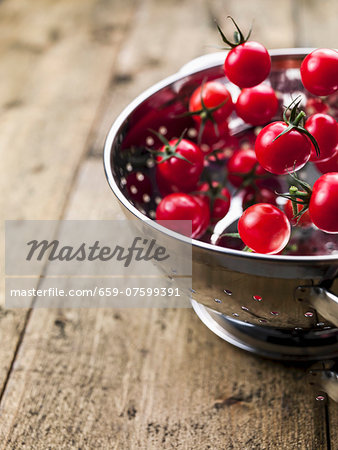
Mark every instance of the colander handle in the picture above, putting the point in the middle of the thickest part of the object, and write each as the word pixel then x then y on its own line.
pixel 322 300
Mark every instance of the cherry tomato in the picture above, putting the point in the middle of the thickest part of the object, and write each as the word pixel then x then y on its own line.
pixel 241 165
pixel 324 129
pixel 217 102
pixel 323 205
pixel 285 154
pixel 247 64
pixel 319 71
pixel 303 221
pixel 205 213
pixel 316 105
pixel 264 228
pixel 175 173
pixel 183 207
pixel 214 138
pixel 330 165
pixel 257 105
pixel 253 196
pixel 218 196
pixel 139 186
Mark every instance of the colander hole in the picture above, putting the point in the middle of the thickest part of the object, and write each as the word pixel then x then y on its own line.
pixel 152 214
pixel 143 211
pixel 140 176
pixel 158 200
pixel 320 398
pixel 257 130
pixel 245 308
pixel 192 132
pixel 217 300
pixel 163 130
pixel 150 163
pixel 133 189
pixel 258 298
pixel 262 321
pixel 129 167
pixel 123 181
pixel 146 198
pixel 227 292
pixel 205 148
pixel 150 140
pixel 274 313
pixel 235 314
pixel 308 314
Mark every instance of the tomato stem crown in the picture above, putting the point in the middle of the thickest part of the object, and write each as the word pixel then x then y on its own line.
pixel 206 114
pixel 169 151
pixel 296 121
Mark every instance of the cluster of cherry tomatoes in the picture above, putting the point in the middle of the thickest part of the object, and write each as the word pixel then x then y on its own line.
pixel 281 148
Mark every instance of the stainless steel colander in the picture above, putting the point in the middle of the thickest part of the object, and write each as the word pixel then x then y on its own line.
pixel 281 307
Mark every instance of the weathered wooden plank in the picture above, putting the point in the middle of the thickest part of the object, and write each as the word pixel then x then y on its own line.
pixel 56 61
pixel 165 36
pixel 333 422
pixel 147 379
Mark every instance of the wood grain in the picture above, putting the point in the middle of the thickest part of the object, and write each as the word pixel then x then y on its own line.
pixel 147 379
pixel 56 61
pixel 333 422
pixel 166 35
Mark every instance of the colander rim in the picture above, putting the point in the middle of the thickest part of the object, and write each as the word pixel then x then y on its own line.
pixel 126 112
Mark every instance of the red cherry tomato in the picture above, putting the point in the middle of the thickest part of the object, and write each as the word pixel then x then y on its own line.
pixel 241 164
pixel 220 198
pixel 214 95
pixel 323 205
pixel 257 105
pixel 247 64
pixel 324 129
pixel 316 105
pixel 319 71
pixel 214 137
pixel 264 228
pixel 303 221
pixel 176 173
pixel 285 154
pixel 262 195
pixel 205 213
pixel 139 186
pixel 183 207
pixel 330 165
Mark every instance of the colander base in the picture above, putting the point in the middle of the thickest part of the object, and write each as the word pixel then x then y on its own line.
pixel 278 344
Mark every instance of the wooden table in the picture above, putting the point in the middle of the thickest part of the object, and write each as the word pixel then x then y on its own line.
pixel 126 379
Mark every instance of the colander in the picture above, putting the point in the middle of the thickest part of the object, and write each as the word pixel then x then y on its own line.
pixel 281 307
